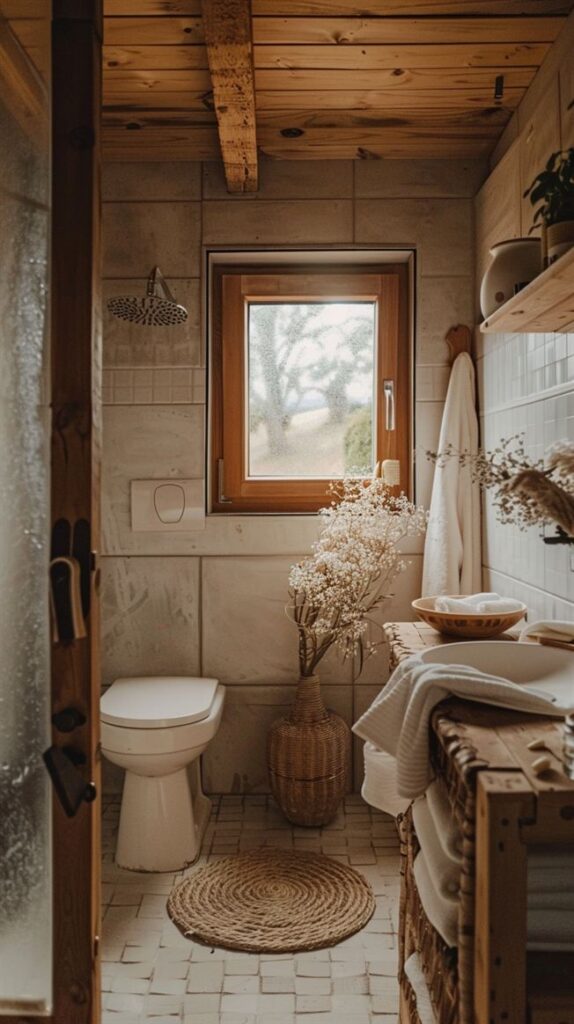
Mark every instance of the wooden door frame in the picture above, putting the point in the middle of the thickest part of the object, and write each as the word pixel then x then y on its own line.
pixel 76 457
pixel 75 488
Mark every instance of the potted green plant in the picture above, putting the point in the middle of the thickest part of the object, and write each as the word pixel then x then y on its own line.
pixel 553 188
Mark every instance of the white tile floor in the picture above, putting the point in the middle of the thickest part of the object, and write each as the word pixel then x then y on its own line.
pixel 152 973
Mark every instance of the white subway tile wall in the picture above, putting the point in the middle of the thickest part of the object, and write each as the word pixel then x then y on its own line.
pixel 154 422
pixel 526 386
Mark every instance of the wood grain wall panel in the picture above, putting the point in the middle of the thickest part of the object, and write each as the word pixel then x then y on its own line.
pixel 566 84
pixel 539 137
pixel 498 208
pixel 559 57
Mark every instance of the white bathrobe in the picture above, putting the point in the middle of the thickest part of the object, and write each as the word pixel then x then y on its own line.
pixel 452 546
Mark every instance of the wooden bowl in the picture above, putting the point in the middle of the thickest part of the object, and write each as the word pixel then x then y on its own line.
pixel 471 627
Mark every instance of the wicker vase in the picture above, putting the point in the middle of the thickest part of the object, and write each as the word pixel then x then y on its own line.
pixel 309 758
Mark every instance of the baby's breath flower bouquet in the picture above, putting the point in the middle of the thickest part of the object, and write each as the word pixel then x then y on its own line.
pixel 334 591
pixel 333 594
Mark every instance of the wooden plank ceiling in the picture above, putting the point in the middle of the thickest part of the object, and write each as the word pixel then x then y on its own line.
pixel 319 79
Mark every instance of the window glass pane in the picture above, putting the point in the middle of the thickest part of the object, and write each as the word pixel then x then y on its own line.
pixel 311 371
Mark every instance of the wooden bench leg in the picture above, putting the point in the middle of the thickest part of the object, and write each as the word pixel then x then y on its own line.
pixel 504 800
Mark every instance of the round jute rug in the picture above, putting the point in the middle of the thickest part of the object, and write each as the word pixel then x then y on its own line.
pixel 272 901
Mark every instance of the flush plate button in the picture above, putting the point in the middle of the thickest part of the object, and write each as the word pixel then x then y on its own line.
pixel 169 501
pixel 163 505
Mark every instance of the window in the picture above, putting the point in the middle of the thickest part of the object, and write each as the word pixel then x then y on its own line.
pixel 309 381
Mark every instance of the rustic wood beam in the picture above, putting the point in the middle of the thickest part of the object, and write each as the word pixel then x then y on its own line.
pixel 227 31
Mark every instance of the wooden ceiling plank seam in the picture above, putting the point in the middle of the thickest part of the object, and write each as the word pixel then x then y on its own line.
pixel 141 31
pixel 176 30
pixel 318 8
pixel 395 78
pixel 332 31
pixel 335 58
pixel 386 57
pixel 365 99
pixel 227 30
pixel 411 8
pixel 320 119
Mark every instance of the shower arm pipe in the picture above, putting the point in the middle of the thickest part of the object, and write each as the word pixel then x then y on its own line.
pixel 156 279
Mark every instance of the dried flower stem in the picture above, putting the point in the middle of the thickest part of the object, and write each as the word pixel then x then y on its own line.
pixel 526 493
pixel 334 591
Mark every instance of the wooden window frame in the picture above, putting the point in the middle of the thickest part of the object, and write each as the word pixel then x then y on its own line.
pixel 232 491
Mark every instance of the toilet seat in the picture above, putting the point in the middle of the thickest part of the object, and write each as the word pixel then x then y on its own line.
pixel 158 702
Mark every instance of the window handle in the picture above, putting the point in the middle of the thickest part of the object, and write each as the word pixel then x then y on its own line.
pixel 221 483
pixel 389 393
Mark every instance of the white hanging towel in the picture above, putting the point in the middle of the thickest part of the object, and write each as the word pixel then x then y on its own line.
pixel 452 546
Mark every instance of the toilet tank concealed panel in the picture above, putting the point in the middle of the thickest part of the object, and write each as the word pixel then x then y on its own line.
pixel 156 702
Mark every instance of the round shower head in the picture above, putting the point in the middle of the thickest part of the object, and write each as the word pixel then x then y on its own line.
pixel 152 309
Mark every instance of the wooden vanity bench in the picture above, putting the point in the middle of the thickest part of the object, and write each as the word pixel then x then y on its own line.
pixel 500 807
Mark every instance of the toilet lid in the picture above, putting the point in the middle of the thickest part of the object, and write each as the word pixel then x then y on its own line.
pixel 156 702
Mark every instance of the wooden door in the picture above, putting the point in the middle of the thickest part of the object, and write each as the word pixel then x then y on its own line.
pixel 76 430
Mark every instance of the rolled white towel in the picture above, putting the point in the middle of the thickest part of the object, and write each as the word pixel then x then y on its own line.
pixel 556 901
pixel 441 910
pixel 548 929
pixel 477 604
pixel 463 604
pixel 553 629
pixel 444 867
pixel 446 828
pixel 551 929
pixel 380 783
pixel 502 604
pixel 415 974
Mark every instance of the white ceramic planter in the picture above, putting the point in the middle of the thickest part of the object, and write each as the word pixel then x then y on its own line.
pixel 514 263
pixel 560 238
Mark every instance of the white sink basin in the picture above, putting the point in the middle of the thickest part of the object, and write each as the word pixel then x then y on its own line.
pixel 549 670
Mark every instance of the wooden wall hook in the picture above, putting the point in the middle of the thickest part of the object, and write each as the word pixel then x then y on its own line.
pixel 458 339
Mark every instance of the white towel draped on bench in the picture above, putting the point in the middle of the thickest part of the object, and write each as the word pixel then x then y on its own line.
pixel 398 719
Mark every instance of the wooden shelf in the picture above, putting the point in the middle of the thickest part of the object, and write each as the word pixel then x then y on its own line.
pixel 544 305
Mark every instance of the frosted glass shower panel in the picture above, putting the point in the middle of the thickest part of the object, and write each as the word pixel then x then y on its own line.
pixel 25 795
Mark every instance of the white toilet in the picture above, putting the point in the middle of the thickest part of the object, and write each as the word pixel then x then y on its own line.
pixel 156 728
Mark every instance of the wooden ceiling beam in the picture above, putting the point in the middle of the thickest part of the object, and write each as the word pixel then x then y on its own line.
pixel 227 32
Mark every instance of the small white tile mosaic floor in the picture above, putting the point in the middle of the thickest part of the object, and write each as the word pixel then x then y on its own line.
pixel 152 973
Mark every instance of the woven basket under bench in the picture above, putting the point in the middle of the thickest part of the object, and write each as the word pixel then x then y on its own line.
pixel 482 755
